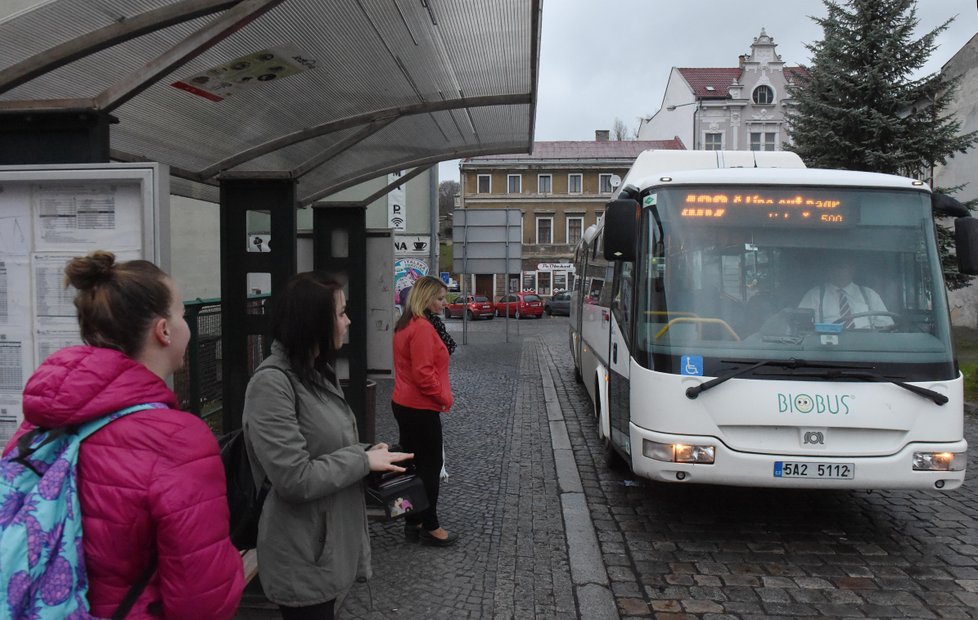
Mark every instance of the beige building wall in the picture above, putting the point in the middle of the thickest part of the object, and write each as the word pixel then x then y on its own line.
pixel 566 215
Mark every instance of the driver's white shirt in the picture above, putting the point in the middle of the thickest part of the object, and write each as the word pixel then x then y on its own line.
pixel 858 302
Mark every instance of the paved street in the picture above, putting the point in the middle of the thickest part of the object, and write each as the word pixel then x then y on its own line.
pixel 548 531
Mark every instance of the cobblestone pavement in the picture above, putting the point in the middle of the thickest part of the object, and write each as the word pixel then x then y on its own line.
pixel 501 498
pixel 668 551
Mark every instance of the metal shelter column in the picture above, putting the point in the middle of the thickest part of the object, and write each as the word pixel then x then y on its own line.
pixel 339 247
pixel 245 326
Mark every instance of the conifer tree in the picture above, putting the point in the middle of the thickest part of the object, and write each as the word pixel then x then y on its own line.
pixel 861 108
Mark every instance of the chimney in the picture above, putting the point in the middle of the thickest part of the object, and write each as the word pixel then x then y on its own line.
pixel 602 135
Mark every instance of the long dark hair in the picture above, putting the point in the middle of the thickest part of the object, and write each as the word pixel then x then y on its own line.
pixel 117 302
pixel 303 321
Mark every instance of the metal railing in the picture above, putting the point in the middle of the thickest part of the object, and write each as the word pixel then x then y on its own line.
pixel 198 385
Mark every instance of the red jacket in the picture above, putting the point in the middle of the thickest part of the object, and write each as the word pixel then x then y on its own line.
pixel 421 368
pixel 149 483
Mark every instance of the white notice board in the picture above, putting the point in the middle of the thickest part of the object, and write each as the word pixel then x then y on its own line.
pixel 49 214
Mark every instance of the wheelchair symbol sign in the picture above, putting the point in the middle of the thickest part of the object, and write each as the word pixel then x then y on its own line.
pixel 691 365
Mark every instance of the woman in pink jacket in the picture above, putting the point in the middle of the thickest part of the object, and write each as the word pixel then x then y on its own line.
pixel 422 392
pixel 151 484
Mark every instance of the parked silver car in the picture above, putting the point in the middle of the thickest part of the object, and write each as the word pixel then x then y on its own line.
pixel 559 304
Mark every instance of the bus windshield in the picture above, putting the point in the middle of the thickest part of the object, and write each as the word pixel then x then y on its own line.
pixel 727 274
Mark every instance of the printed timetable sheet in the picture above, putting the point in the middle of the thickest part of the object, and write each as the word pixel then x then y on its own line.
pixel 49 215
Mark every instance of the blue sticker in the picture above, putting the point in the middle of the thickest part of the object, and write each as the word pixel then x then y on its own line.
pixel 828 328
pixel 691 365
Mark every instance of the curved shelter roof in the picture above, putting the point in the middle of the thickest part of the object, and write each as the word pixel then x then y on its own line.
pixel 334 92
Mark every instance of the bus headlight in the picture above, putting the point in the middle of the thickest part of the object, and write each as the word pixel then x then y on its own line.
pixel 939 461
pixel 678 452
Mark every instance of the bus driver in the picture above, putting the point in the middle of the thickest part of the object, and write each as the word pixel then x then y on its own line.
pixel 840 300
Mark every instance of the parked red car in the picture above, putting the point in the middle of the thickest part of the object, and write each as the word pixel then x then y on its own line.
pixel 474 307
pixel 519 305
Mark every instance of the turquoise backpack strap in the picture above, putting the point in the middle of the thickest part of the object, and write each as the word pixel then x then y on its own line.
pixel 86 429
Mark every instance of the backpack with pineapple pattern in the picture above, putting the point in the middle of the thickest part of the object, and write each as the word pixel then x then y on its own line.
pixel 42 569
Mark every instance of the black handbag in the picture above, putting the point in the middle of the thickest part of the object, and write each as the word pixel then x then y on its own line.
pixel 398 494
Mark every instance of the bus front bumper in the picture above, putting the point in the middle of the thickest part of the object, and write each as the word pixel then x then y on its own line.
pixel 730 467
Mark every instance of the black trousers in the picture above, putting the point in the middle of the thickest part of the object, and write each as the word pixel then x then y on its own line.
pixel 322 611
pixel 420 431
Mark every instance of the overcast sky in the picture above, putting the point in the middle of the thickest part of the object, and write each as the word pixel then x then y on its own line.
pixel 602 59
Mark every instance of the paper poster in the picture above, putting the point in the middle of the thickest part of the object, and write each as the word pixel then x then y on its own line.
pixel 85 217
pixel 268 65
pixel 15 307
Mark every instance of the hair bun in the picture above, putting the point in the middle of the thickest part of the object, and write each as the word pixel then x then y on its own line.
pixel 85 272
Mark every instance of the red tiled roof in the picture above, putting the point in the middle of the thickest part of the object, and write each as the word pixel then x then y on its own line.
pixel 720 78
pixel 587 149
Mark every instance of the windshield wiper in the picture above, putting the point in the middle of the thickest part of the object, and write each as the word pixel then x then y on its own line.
pixel 831 371
pixel 694 391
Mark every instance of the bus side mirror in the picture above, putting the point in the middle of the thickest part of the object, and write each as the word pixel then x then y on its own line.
pixel 621 218
pixel 942 204
pixel 966 244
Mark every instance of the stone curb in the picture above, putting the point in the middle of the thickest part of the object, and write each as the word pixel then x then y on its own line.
pixel 588 572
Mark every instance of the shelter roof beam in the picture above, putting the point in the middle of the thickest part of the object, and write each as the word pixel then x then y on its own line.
pixel 106 37
pixel 236 18
pixel 388 115
pixel 343 145
pixel 422 162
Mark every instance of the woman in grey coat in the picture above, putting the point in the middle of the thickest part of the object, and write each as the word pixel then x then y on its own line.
pixel 301 434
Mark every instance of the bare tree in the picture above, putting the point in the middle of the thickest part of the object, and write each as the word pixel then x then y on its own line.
pixel 620 131
pixel 446 197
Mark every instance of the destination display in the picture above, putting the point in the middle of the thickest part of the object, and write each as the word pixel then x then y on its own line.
pixel 759 207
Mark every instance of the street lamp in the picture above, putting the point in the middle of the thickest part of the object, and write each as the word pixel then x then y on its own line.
pixel 695 114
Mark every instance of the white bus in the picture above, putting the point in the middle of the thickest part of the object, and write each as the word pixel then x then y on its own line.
pixel 701 329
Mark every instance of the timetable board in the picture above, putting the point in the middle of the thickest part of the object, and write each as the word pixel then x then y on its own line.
pixel 48 215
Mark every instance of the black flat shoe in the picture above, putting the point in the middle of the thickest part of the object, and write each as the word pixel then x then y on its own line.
pixel 434 541
pixel 412 533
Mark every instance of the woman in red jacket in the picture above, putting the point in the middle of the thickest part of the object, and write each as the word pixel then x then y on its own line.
pixel 421 394
pixel 151 484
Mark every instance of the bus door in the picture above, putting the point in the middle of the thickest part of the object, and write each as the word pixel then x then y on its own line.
pixel 619 361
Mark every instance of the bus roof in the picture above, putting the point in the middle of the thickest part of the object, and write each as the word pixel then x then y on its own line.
pixel 747 167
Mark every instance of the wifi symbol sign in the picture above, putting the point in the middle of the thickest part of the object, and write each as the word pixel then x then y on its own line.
pixel 398 222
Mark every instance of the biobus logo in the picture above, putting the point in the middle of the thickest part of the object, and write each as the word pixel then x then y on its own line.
pixel 833 404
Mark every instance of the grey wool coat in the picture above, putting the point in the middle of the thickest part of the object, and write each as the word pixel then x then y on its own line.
pixel 313 540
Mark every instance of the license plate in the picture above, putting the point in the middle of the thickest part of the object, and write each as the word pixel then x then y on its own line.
pixel 817 471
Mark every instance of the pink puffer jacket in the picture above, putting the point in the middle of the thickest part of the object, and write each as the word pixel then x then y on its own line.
pixel 149 483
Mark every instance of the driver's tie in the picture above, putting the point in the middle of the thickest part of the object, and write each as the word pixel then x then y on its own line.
pixel 845 312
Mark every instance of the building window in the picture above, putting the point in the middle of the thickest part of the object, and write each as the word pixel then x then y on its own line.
pixel 763 95
pixel 763 140
pixel 545 230
pixel 544 184
pixel 529 281
pixel 714 142
pixel 514 183
pixel 485 184
pixel 575 183
pixel 604 183
pixel 574 227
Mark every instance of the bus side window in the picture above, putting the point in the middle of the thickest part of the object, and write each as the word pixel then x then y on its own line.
pixel 621 305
